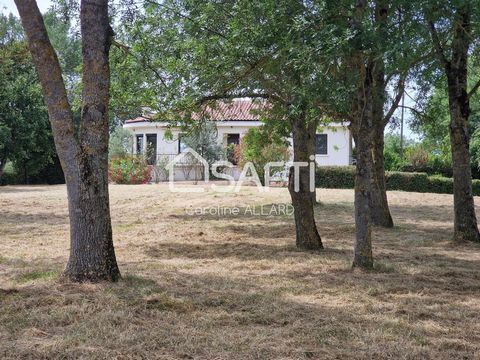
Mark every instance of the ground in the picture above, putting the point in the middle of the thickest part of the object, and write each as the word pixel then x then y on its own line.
pixel 235 287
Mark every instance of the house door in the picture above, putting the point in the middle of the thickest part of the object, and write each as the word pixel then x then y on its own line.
pixel 151 149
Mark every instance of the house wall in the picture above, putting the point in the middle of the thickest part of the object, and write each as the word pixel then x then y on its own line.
pixel 166 146
pixel 339 148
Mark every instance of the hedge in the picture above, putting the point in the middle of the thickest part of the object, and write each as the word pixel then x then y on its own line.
pixel 51 174
pixel 343 177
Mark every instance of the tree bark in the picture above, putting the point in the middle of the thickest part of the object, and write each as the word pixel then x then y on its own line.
pixel 379 208
pixel 363 254
pixel 82 153
pixel 307 236
pixel 465 220
pixel 456 70
pixel 363 132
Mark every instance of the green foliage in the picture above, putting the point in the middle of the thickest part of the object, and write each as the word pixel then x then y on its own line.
pixel 129 170
pixel 120 143
pixel 343 177
pixel 417 156
pixel 203 139
pixel 25 135
pixel 259 146
pixel 335 177
pixel 393 161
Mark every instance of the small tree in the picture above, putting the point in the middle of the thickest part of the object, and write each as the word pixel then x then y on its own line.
pixel 260 147
pixel 203 139
pixel 120 144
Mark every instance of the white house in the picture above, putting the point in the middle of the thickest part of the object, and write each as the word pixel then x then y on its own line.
pixel 233 120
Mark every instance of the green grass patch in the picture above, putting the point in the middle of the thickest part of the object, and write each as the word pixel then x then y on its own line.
pixel 37 275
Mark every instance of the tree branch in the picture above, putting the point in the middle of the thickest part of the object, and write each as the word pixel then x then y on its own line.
pixel 396 101
pixel 474 89
pixel 50 75
pixel 213 31
pixel 127 51
pixel 437 44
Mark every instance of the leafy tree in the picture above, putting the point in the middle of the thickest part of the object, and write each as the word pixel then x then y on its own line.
pixel 453 31
pixel 197 52
pixel 25 135
pixel 433 122
pixel 204 141
pixel 120 143
pixel 393 161
pixel 82 147
pixel 259 147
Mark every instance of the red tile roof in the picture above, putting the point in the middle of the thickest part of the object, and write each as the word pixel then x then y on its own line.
pixel 236 110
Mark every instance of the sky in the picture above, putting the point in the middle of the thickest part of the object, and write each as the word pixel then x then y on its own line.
pixel 7 6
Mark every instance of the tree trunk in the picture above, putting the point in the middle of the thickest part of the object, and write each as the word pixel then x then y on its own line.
pixel 84 153
pixel 92 256
pixel 363 131
pixel 379 208
pixel 456 71
pixel 363 255
pixel 307 236
pixel 465 220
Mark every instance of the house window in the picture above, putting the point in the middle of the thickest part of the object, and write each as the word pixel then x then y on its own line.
pixel 181 144
pixel 139 143
pixel 233 139
pixel 321 144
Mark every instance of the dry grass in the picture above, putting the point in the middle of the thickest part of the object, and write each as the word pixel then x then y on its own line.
pixel 235 287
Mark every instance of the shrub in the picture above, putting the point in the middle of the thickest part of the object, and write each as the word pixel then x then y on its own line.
pixel 160 170
pixel 129 170
pixel 260 147
pixel 343 177
pixel 417 155
pixel 407 181
pixel 120 143
pixel 339 177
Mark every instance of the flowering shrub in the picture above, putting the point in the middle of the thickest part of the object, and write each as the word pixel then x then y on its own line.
pixel 129 170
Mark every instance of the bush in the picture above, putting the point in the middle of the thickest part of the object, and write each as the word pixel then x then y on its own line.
pixel 260 147
pixel 418 182
pixel 50 174
pixel 343 177
pixel 129 170
pixel 120 143
pixel 335 177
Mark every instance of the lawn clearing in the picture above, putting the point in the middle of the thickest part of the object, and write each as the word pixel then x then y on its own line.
pixel 235 287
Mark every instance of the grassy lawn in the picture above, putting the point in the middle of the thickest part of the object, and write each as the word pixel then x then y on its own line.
pixel 235 287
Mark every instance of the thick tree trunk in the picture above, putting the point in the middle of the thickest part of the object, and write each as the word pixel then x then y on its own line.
pixel 82 153
pixel 465 220
pixel 307 236
pixel 92 256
